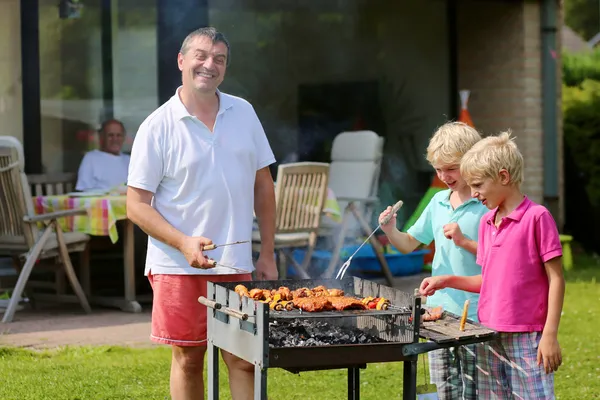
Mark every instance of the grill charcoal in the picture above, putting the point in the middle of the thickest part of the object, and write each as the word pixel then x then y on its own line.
pixel 304 332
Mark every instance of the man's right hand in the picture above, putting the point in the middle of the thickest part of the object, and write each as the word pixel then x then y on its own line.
pixel 192 250
pixel 389 227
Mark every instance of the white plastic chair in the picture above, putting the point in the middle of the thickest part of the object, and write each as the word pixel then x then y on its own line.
pixel 354 178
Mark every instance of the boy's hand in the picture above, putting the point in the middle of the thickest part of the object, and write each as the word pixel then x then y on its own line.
pixel 549 353
pixel 431 284
pixel 392 222
pixel 452 231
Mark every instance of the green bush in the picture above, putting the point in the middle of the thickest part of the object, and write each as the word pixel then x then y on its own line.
pixel 579 67
pixel 581 111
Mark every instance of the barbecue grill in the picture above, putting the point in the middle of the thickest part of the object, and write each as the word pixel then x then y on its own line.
pixel 300 341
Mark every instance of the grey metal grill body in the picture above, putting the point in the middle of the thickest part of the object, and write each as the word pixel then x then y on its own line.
pixel 249 339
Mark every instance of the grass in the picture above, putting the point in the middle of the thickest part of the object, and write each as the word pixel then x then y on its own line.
pixel 124 373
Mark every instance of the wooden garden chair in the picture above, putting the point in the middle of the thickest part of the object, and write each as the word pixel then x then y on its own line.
pixel 52 184
pixel 300 193
pixel 21 239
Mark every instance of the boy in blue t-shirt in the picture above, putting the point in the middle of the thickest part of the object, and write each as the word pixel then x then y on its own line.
pixel 451 219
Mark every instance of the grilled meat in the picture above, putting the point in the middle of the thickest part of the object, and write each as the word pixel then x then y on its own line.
pixel 341 303
pixel 256 294
pixel 433 314
pixel 284 292
pixel 242 290
pixel 302 292
pixel 313 304
pixel 312 300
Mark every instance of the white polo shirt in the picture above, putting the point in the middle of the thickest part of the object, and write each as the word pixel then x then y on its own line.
pixel 203 181
pixel 100 170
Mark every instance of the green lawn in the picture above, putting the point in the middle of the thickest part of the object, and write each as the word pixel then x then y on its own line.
pixel 123 373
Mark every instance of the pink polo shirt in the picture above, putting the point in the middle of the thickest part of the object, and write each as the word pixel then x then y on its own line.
pixel 514 288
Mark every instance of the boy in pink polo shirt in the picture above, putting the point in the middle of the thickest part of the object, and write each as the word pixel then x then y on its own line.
pixel 521 285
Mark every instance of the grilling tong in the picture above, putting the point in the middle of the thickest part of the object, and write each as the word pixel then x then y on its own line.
pixel 214 263
pixel 346 265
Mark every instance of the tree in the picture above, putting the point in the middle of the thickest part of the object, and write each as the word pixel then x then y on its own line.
pixel 583 16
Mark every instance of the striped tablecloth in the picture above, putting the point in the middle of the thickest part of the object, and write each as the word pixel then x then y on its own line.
pixel 103 213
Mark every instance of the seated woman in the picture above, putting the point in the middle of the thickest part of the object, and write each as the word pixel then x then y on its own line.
pixel 107 167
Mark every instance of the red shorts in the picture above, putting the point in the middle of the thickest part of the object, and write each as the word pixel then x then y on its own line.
pixel 177 317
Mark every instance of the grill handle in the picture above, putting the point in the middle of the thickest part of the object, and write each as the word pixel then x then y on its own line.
pixel 226 310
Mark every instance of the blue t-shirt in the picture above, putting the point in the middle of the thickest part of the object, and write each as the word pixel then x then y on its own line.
pixel 450 259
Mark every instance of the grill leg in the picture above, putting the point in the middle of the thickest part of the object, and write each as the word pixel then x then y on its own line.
pixel 354 383
pixel 410 380
pixel 213 372
pixel 260 383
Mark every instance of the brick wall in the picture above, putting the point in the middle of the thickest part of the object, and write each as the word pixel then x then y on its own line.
pixel 11 115
pixel 499 60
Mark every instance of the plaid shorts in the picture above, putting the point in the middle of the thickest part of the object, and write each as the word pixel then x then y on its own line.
pixel 507 368
pixel 453 371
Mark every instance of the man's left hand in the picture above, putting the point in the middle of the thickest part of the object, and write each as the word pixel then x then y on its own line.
pixel 266 268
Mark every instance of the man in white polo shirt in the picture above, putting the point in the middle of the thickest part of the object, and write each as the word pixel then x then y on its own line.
pixel 198 170
pixel 107 167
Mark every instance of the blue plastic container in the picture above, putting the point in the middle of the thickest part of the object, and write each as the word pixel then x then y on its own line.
pixel 364 263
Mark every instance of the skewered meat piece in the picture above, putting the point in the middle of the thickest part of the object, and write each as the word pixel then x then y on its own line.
pixel 256 294
pixel 377 303
pixel 242 290
pixel 284 292
pixel 433 314
pixel 336 292
pixel 302 292
pixel 341 303
pixel 266 294
pixel 320 291
pixel 313 304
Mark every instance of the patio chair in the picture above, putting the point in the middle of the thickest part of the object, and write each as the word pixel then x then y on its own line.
pixel 354 178
pixel 300 194
pixel 52 184
pixel 21 239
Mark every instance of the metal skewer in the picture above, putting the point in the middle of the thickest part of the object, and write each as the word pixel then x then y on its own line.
pixel 346 265
pixel 214 246
pixel 214 263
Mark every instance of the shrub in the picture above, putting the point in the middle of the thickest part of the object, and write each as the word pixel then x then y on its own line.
pixel 579 67
pixel 581 108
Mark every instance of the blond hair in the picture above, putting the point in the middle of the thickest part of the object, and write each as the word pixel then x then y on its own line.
pixel 450 142
pixel 491 155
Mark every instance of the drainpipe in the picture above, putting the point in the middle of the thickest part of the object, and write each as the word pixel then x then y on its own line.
pixel 549 10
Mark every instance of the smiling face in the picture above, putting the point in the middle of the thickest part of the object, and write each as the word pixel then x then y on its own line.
pixel 491 192
pixel 203 65
pixel 112 137
pixel 450 175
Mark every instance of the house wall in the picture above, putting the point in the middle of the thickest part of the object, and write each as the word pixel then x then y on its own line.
pixel 11 108
pixel 499 60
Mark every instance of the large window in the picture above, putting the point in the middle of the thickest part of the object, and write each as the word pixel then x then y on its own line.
pixel 313 69
pixel 96 62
